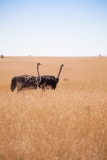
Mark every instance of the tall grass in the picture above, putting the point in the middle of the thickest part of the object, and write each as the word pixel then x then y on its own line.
pixel 69 123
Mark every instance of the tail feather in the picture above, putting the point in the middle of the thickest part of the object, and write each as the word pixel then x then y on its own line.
pixel 13 84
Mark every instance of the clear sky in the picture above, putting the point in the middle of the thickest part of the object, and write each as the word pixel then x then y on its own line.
pixel 53 27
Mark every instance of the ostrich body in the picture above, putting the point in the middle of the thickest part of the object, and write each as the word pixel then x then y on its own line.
pixel 50 82
pixel 25 82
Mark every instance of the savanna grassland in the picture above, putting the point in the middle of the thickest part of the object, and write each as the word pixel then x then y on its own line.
pixel 69 123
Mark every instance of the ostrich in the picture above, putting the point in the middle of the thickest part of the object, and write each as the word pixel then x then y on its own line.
pixel 23 82
pixel 50 82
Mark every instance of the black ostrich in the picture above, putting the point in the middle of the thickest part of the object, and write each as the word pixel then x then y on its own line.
pixel 50 82
pixel 23 82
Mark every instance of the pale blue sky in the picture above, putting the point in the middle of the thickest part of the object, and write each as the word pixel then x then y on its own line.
pixel 53 27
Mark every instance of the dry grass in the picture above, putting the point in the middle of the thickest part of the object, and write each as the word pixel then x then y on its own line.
pixel 69 123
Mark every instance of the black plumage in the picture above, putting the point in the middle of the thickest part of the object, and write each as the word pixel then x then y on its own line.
pixel 23 82
pixel 50 82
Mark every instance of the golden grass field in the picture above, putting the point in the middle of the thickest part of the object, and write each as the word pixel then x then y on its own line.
pixel 69 123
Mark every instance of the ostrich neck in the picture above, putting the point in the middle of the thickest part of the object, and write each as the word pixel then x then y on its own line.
pixel 38 73
pixel 59 71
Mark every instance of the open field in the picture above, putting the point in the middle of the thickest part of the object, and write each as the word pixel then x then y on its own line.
pixel 69 123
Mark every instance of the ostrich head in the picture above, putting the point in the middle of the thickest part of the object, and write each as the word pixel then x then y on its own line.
pixel 38 64
pixel 62 65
